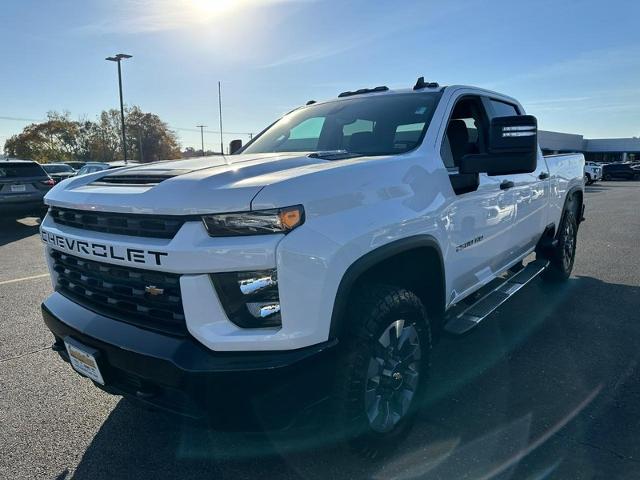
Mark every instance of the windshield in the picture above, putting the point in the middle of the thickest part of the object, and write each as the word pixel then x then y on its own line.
pixel 366 125
pixel 57 168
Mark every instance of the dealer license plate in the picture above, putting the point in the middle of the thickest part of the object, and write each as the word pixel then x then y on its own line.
pixel 83 360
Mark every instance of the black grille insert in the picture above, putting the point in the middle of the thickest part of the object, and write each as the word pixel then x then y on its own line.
pixel 137 225
pixel 121 292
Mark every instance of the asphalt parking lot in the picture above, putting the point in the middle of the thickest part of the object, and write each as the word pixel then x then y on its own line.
pixel 548 387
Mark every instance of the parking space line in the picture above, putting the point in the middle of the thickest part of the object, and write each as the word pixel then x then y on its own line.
pixel 32 277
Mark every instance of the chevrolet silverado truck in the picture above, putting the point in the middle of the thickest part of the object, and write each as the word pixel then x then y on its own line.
pixel 315 265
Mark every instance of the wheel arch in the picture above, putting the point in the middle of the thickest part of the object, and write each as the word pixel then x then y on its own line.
pixel 575 201
pixel 415 263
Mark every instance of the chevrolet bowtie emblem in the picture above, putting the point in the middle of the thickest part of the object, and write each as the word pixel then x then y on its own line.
pixel 153 290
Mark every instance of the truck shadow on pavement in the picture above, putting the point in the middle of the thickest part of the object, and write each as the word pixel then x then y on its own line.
pixel 12 230
pixel 597 188
pixel 549 385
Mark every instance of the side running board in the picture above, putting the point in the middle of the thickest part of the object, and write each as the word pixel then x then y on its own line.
pixel 471 315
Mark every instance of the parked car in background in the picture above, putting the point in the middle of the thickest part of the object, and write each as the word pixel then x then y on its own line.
pixel 59 171
pixel 592 173
pixel 23 185
pixel 92 167
pixel 76 165
pixel 620 170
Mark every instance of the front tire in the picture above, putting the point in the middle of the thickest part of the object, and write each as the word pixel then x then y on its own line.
pixel 383 368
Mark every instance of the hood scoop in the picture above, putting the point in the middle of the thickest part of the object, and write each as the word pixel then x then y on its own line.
pixel 142 177
pixel 333 155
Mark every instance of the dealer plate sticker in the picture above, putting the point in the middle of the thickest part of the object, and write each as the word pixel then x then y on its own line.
pixel 83 360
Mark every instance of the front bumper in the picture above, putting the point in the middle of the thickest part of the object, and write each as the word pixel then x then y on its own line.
pixel 235 390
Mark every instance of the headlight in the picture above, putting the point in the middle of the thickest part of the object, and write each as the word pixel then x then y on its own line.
pixel 277 220
pixel 250 299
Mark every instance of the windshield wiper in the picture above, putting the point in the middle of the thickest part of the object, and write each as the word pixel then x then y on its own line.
pixel 333 155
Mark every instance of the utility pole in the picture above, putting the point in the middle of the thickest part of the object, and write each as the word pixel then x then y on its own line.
pixel 118 58
pixel 202 127
pixel 220 109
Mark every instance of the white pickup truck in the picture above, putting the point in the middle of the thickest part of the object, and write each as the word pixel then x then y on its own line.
pixel 592 173
pixel 320 261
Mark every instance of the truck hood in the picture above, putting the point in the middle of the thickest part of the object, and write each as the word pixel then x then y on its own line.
pixel 182 187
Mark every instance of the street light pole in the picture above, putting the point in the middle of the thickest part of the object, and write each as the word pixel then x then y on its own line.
pixel 118 58
pixel 220 110
pixel 201 127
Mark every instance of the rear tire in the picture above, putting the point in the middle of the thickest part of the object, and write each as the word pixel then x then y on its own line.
pixel 383 368
pixel 562 256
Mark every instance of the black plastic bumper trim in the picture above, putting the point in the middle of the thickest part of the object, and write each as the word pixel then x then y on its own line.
pixel 182 375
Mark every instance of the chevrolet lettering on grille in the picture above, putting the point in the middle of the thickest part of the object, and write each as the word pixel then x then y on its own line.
pixel 101 250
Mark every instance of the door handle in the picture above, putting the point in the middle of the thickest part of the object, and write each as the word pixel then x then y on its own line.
pixel 543 176
pixel 506 185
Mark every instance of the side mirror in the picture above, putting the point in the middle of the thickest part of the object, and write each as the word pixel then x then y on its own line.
pixel 235 145
pixel 512 148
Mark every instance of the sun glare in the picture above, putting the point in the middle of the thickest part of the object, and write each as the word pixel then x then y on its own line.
pixel 212 8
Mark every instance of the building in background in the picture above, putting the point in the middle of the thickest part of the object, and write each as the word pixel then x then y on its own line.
pixel 595 150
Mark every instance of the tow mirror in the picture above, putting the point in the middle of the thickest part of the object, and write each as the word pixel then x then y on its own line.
pixel 512 148
pixel 235 145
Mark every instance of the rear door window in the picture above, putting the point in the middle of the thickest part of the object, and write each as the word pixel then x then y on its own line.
pixel 502 109
pixel 16 170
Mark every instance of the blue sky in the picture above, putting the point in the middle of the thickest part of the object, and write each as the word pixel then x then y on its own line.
pixel 575 65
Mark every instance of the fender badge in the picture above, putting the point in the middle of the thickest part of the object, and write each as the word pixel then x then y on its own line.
pixel 153 290
pixel 464 245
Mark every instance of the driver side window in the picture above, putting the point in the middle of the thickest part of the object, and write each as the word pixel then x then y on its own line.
pixel 466 131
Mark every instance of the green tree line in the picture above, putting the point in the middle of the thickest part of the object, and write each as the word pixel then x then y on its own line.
pixel 60 139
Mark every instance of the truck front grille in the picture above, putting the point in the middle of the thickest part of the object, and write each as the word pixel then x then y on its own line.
pixel 138 225
pixel 122 293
